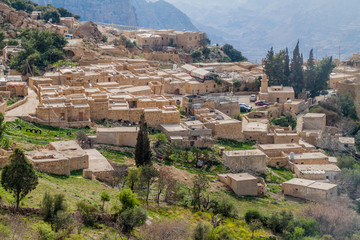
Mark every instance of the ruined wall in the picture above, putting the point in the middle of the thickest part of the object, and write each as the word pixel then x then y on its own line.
pixel 58 167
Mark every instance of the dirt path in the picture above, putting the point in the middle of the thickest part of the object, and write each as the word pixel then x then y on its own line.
pixel 25 109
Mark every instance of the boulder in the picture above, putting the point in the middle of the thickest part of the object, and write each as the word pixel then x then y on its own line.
pixel 89 32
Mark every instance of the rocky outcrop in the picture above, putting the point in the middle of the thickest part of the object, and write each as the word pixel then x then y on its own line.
pixel 89 32
pixel 13 20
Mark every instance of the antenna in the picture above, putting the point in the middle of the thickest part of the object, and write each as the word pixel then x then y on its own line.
pixel 339 53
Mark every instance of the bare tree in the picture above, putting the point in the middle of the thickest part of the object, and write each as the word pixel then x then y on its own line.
pixel 334 218
pixel 171 229
pixel 18 227
pixel 164 179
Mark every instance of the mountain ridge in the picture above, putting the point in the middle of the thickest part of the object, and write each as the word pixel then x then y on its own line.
pixel 157 15
pixel 254 26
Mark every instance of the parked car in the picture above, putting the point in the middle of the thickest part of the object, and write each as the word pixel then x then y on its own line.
pixel 252 98
pixel 261 103
pixel 245 108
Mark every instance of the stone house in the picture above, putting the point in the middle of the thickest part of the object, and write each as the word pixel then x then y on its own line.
pixel 309 158
pixel 317 171
pixel 277 154
pixel 67 21
pixel 59 158
pixel 275 94
pixel 10 51
pixel 309 190
pixel 245 160
pixel 244 184
pixel 120 136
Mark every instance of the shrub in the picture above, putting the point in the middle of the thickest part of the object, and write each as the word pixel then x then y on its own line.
pixel 251 215
pixel 128 199
pixel 279 222
pixel 345 161
pixel 105 197
pixel 51 205
pixel 87 212
pixel 131 218
pixel 237 83
pixel 225 207
pixel 62 220
pixel 284 121
pixel 196 54
pixel 201 231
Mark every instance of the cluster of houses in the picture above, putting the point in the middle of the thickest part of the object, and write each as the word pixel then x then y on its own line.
pixel 180 103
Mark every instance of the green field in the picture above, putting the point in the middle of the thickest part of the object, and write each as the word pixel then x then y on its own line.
pixel 18 131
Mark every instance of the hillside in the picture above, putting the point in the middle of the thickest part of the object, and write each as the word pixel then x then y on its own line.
pixel 254 26
pixel 141 13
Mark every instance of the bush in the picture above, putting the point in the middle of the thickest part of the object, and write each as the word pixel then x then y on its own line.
pixel 279 222
pixel 284 121
pixel 251 215
pixel 62 220
pixel 53 14
pixel 234 55
pixel 196 54
pixel 128 199
pixel 87 212
pixel 237 83
pixel 346 161
pixel 44 232
pixel 225 207
pixel 51 205
pixel 201 231
pixel 131 218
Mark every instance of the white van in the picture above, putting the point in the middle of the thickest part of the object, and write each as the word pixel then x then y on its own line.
pixel 253 98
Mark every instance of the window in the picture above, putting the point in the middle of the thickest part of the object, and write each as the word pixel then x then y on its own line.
pixel 214 85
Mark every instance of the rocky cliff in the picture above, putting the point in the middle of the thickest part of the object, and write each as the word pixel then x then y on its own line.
pixel 157 15
pixel 11 20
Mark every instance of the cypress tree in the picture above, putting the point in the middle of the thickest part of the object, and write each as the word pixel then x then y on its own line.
pixel 310 75
pixel 297 75
pixel 142 148
pixel 286 68
pixel 269 66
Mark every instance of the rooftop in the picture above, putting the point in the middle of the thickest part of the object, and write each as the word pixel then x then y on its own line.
pixel 241 176
pixel 118 129
pixel 317 167
pixel 309 155
pixel 279 146
pixel 314 115
pixel 254 152
pixel 300 182
pixel 322 186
